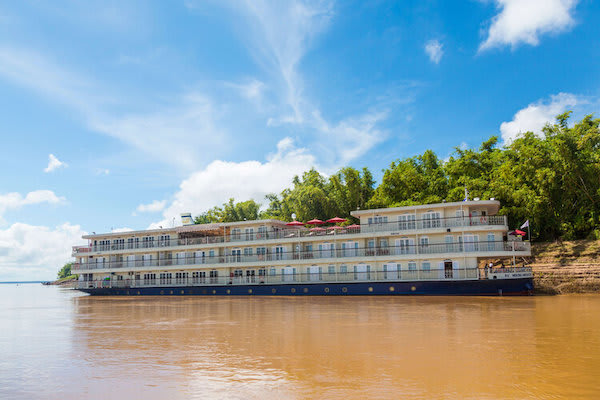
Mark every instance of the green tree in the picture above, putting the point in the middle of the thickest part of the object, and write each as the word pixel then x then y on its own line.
pixel 65 271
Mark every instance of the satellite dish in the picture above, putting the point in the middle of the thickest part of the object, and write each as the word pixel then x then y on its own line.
pixel 294 216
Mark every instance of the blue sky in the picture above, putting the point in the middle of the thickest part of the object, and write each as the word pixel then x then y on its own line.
pixel 121 115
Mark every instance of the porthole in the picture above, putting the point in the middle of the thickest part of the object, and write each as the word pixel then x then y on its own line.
pixel 392 288
pixel 370 289
pixel 183 292
pixel 305 290
pixel 413 288
pixel 138 292
pixel 326 290
pixel 293 290
pixel 228 291
pixel 170 292
pixel 249 291
pixel 344 290
pixel 162 292
pixel 128 292
pixel 273 290
pixel 214 292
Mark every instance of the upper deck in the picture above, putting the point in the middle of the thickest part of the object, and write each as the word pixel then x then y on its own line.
pixel 234 235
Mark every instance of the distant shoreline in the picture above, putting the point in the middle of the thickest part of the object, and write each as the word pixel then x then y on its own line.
pixel 15 282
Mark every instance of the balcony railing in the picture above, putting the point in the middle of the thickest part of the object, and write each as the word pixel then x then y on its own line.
pixel 167 280
pixel 338 253
pixel 397 226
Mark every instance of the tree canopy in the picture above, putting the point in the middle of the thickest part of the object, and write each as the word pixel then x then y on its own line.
pixel 552 179
pixel 65 271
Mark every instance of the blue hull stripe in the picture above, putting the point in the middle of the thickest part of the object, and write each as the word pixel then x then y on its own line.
pixel 504 287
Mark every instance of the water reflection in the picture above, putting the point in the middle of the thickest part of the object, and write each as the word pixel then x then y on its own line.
pixel 420 347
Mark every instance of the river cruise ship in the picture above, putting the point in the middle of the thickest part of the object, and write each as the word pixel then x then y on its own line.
pixel 433 249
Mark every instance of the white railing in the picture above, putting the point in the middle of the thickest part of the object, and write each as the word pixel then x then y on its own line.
pixel 292 278
pixel 434 248
pixel 396 227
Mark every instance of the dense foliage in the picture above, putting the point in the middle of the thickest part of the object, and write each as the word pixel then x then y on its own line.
pixel 65 271
pixel 552 179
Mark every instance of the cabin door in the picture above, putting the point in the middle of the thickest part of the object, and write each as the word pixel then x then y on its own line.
pixel 250 276
pixel 314 273
pixel 361 272
pixel 288 274
pixel 448 273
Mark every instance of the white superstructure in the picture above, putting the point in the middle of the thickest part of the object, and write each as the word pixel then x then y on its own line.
pixel 424 242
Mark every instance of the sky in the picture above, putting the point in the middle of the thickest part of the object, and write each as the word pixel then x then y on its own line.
pixel 121 115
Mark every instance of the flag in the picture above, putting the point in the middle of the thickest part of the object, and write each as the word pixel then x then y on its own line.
pixel 525 225
pixel 466 195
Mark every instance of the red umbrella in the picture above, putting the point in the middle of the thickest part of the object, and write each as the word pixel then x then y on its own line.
pixel 317 229
pixel 353 226
pixel 336 227
pixel 517 232
pixel 295 223
pixel 336 220
pixel 315 222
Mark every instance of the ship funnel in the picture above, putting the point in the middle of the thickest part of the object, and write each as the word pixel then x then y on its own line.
pixel 186 219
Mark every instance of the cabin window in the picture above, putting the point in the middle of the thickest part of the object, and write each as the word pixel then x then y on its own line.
pixel 412 266
pixel 331 269
pixel 471 242
pixel 431 219
pixel 406 221
pixel 491 241
pixel 262 232
pixel 426 266
pixel 164 240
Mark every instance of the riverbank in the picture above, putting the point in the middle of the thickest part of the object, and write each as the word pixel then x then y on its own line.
pixel 566 266
pixel 66 281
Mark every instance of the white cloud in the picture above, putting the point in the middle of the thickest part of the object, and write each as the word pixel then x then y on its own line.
pixel 185 127
pixel 155 206
pixel 221 180
pixel 280 35
pixel 124 229
pixel 54 163
pixel 176 134
pixel 251 90
pixel 351 137
pixel 102 171
pixel 14 200
pixel 29 252
pixel 435 50
pixel 524 21
pixel 536 115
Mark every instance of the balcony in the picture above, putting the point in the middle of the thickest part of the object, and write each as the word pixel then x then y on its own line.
pixel 363 276
pixel 398 227
pixel 471 248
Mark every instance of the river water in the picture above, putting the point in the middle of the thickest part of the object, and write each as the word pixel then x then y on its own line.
pixel 58 344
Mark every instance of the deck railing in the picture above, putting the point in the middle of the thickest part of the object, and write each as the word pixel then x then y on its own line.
pixel 396 227
pixel 167 280
pixel 307 255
